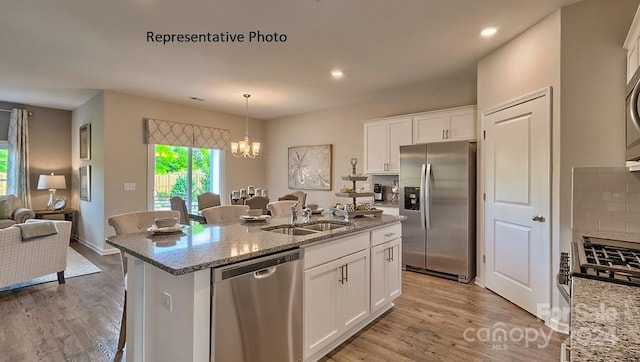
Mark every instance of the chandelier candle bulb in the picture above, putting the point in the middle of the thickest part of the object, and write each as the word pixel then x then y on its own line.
pixel 244 148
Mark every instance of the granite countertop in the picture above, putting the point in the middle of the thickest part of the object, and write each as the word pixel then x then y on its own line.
pixel 605 321
pixel 605 316
pixel 208 246
pixel 385 204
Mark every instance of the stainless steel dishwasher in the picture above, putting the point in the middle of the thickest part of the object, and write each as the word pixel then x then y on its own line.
pixel 257 309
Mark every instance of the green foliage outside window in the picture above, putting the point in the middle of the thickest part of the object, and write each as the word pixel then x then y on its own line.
pixel 4 156
pixel 172 162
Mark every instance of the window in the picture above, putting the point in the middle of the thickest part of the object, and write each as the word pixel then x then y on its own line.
pixel 184 172
pixel 4 158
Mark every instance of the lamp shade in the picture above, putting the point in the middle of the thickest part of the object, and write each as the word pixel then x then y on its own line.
pixel 52 181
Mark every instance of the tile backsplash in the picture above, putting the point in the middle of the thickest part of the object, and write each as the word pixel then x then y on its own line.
pixel 606 199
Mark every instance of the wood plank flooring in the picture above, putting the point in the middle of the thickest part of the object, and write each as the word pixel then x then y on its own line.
pixel 429 321
pixel 80 320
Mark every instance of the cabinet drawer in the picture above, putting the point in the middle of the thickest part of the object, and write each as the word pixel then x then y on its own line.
pixel 331 250
pixel 385 234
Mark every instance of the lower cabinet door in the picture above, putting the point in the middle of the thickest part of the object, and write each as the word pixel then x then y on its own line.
pixel 394 270
pixel 379 260
pixel 322 319
pixel 355 289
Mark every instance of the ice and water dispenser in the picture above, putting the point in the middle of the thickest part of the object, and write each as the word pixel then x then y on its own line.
pixel 412 198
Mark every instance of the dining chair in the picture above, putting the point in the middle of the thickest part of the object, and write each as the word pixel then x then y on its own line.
pixel 208 199
pixel 281 208
pixel 178 204
pixel 224 213
pixel 288 197
pixel 302 197
pixel 258 202
pixel 292 197
pixel 133 222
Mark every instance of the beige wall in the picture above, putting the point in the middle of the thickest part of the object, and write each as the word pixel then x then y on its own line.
pixel 49 148
pixel 126 154
pixel 342 127
pixel 577 51
pixel 593 84
pixel 526 64
pixel 90 230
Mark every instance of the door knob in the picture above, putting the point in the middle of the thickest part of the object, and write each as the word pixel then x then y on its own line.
pixel 538 218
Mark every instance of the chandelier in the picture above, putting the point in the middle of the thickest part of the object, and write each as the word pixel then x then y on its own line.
pixel 245 148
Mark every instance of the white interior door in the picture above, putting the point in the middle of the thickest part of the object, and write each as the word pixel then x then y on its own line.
pixel 517 208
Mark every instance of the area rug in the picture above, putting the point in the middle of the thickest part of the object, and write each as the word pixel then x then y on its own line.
pixel 77 265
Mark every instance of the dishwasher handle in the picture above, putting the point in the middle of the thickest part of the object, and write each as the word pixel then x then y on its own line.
pixel 259 267
pixel 264 273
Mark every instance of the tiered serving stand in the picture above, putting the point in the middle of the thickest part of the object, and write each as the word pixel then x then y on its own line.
pixel 354 195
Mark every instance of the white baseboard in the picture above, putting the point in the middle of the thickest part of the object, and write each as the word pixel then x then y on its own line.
pixel 560 327
pixel 98 249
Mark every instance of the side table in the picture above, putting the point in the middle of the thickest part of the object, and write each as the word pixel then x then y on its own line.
pixel 69 215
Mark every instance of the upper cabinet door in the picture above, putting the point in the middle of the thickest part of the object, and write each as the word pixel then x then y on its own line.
pixel 399 135
pixel 375 147
pixel 462 125
pixel 382 141
pixel 430 127
pixel 453 124
pixel 632 45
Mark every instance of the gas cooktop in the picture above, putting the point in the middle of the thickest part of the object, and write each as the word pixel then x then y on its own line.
pixel 607 260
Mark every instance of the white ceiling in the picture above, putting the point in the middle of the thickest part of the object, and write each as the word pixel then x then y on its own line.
pixel 58 53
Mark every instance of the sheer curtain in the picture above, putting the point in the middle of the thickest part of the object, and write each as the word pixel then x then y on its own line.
pixel 18 162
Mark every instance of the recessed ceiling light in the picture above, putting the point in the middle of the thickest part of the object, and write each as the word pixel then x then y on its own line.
pixel 337 74
pixel 489 32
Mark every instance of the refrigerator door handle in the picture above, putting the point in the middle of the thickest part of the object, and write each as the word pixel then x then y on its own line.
pixel 422 196
pixel 427 196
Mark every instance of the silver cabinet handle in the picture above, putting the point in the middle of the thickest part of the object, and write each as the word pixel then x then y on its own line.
pixel 346 277
pixel 447 134
pixel 387 256
pixel 341 280
pixel 538 218
pixel 443 134
pixel 392 254
pixel 389 234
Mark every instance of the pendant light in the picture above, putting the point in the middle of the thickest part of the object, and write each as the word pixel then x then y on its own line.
pixel 244 149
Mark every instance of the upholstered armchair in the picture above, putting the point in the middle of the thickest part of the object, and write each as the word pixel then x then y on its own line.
pixel 21 259
pixel 12 212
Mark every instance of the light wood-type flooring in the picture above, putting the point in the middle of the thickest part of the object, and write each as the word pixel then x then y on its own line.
pixel 79 321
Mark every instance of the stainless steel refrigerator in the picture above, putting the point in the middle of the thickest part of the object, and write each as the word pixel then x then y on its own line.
pixel 438 198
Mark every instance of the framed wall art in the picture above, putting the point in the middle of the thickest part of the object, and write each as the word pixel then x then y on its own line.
pixel 310 167
pixel 85 141
pixel 84 175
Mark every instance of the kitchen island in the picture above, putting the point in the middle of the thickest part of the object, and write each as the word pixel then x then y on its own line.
pixel 170 285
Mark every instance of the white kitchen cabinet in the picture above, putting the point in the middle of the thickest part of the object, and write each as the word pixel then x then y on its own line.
pixel 453 124
pixel 386 264
pixel 336 298
pixel 632 45
pixel 385 273
pixel 336 290
pixel 382 141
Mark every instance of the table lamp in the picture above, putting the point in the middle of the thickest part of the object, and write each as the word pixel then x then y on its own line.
pixel 53 183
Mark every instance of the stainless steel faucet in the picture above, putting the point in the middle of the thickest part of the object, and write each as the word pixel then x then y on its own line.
pixel 294 212
pixel 307 213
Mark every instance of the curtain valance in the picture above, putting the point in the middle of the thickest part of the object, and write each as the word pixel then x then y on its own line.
pixel 186 135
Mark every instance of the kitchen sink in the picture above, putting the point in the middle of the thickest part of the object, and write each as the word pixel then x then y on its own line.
pixel 306 229
pixel 288 230
pixel 324 226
